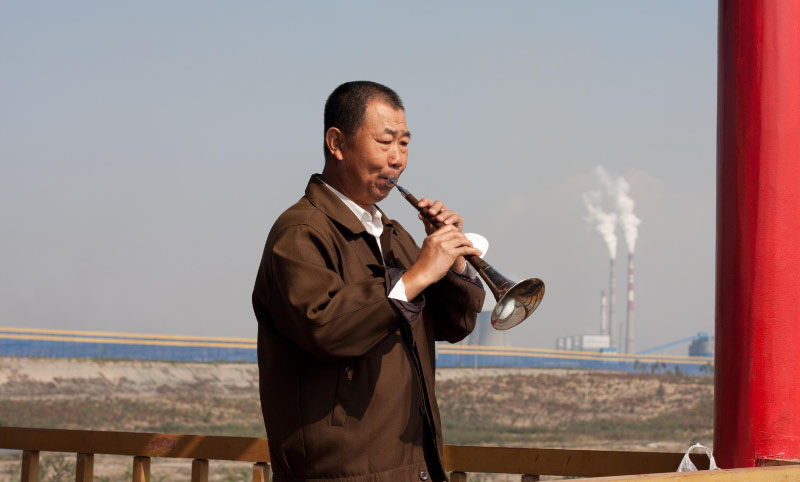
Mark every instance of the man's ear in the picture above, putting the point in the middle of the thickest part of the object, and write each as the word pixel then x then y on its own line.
pixel 334 141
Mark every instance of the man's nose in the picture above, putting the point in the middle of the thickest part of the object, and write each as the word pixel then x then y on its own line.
pixel 396 160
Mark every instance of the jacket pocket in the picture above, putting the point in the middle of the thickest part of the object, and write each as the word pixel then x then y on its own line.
pixel 344 390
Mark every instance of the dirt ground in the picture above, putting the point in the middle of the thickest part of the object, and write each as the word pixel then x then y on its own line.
pixel 488 406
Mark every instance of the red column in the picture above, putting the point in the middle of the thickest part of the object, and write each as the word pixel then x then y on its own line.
pixel 757 384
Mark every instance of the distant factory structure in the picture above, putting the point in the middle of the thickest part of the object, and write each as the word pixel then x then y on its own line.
pixel 630 346
pixel 701 346
pixel 612 301
pixel 484 334
pixel 601 342
pixel 584 343
pixel 607 209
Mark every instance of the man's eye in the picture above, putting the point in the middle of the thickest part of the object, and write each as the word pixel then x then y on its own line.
pixel 385 142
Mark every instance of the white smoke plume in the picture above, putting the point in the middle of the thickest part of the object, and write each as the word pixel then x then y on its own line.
pixel 604 222
pixel 616 191
pixel 628 220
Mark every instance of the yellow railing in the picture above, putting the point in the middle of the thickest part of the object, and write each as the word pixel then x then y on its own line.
pixel 459 460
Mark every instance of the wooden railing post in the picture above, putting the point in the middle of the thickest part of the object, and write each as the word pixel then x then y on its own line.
pixel 84 468
pixel 141 469
pixel 461 460
pixel 30 466
pixel 260 472
pixel 530 478
pixel 200 470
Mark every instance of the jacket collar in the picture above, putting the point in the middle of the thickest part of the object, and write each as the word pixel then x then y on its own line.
pixel 333 207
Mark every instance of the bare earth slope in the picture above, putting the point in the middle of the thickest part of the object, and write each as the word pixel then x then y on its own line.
pixel 490 406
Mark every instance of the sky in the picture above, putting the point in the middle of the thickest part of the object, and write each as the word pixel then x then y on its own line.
pixel 147 147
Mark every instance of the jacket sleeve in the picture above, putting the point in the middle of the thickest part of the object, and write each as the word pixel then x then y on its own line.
pixel 458 302
pixel 315 308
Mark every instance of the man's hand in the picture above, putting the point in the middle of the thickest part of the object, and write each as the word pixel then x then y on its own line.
pixel 446 217
pixel 441 213
pixel 438 254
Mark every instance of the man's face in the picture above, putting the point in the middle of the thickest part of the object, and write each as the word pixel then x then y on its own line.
pixel 378 151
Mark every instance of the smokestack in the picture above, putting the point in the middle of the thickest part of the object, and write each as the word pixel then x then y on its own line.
pixel 603 313
pixel 612 303
pixel 617 190
pixel 629 326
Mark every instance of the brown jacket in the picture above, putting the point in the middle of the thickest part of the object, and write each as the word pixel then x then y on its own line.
pixel 347 384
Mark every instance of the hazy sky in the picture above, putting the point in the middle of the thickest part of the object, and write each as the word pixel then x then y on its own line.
pixel 147 147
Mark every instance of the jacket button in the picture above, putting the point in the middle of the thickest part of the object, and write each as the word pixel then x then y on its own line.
pixel 423 475
pixel 422 412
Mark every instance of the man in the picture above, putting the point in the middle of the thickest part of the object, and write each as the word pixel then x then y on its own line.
pixel 349 307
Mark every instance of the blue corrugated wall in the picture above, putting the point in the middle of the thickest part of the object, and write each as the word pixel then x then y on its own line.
pixel 21 342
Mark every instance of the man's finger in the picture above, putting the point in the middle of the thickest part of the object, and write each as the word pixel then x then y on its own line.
pixel 468 251
pixel 426 221
pixel 445 229
pixel 442 216
pixel 424 203
pixel 448 240
pixel 449 217
pixel 454 239
pixel 454 233
pixel 437 208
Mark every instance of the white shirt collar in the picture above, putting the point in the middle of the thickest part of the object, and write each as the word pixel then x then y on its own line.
pixel 372 221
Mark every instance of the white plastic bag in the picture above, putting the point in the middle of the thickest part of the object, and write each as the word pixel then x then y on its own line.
pixel 688 466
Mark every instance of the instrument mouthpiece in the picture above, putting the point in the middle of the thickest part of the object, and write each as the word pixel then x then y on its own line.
pixel 393 182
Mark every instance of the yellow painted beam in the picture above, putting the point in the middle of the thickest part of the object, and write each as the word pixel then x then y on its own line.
pixel 111 334
pixel 116 341
pixel 757 474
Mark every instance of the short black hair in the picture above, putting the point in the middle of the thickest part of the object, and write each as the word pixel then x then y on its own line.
pixel 347 104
